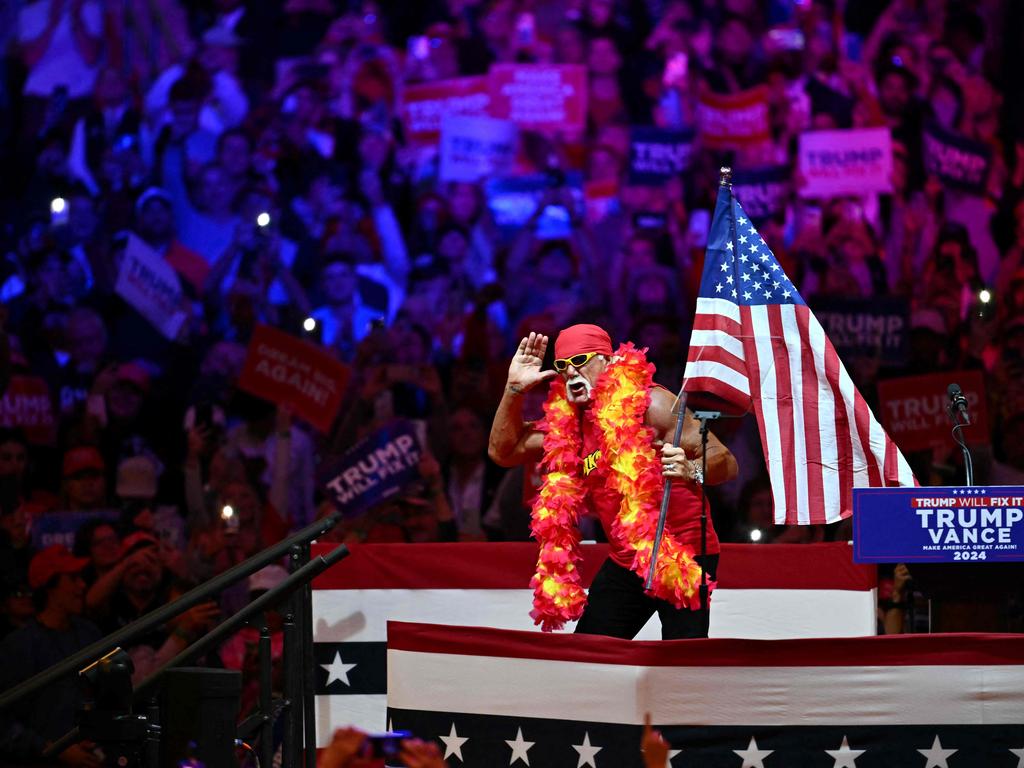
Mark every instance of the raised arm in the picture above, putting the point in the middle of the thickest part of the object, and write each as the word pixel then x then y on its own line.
pixel 514 441
pixel 722 465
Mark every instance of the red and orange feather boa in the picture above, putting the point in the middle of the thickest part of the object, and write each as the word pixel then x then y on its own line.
pixel 620 401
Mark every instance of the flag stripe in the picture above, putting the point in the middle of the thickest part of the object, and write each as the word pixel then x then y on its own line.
pixel 717 338
pixel 492 567
pixel 722 307
pixel 889 651
pixel 714 370
pixel 715 695
pixel 767 421
pixel 815 430
pixel 708 320
pixel 844 425
pixel 829 424
pixel 786 323
pixel 710 355
pixel 781 404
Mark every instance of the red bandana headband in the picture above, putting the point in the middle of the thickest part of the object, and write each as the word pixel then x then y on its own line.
pixel 577 339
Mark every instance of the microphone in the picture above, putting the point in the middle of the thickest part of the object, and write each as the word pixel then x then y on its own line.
pixel 957 402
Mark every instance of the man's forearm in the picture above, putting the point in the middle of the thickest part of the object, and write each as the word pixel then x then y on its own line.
pixel 508 427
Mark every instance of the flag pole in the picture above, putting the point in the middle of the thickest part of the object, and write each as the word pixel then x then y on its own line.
pixel 680 406
pixel 724 180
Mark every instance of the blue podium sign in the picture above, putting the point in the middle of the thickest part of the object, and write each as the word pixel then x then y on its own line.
pixel 938 524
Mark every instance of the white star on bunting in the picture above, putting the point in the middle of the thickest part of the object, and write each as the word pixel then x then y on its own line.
pixel 937 756
pixel 587 752
pixel 844 756
pixel 1020 756
pixel 453 744
pixel 671 756
pixel 338 670
pixel 520 748
pixel 752 756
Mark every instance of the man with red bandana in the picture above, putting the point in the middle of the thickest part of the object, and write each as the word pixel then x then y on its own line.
pixel 617 604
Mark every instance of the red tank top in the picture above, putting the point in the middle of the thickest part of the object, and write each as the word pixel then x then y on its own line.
pixel 603 501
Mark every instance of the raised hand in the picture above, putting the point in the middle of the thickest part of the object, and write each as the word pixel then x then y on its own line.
pixel 653 746
pixel 525 370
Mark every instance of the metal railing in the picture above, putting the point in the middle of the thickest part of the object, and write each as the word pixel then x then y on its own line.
pixel 297 703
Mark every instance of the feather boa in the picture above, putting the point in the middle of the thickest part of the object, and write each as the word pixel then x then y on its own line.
pixel 620 401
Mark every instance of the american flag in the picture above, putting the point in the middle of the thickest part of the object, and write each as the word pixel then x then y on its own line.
pixel 757 345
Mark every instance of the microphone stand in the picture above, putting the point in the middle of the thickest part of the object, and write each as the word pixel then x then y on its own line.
pixel 704 417
pixel 961 420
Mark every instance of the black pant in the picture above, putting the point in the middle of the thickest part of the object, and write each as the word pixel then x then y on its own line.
pixel 617 606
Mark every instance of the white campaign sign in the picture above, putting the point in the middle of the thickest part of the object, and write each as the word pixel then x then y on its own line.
pixel 847 162
pixel 150 285
pixel 475 147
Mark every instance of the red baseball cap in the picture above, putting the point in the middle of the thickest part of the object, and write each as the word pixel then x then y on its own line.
pixel 136 541
pixel 51 561
pixel 82 458
pixel 577 339
pixel 134 374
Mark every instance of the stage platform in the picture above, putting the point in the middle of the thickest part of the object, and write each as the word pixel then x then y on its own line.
pixel 765 592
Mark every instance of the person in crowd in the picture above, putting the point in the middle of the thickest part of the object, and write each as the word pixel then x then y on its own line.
pixel 56 631
pixel 85 485
pixel 579 441
pixel 472 479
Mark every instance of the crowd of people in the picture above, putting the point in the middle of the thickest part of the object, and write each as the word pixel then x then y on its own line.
pixel 262 151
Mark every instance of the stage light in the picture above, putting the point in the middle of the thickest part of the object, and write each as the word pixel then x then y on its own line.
pixel 755 535
pixel 263 219
pixel 309 325
pixel 984 295
pixel 58 205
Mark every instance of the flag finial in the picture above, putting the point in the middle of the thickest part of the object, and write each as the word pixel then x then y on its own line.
pixel 725 176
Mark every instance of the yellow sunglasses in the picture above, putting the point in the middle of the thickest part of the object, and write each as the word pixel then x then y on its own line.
pixel 576 361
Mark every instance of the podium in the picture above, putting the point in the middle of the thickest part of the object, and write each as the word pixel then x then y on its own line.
pixel 963 546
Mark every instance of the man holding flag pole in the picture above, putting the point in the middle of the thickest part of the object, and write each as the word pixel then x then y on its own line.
pixel 756 345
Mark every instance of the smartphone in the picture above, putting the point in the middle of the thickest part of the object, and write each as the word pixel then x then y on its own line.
pixel 385 745
pixel 419 47
pixel 676 69
pixel 784 39
pixel 700 223
pixel 526 30
pixel 650 220
pixel 227 514
pixel 58 212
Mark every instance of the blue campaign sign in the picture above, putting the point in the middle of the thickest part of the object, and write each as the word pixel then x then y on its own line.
pixel 374 469
pixel 938 524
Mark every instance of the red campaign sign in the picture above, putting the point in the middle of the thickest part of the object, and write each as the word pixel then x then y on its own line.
pixel 735 119
pixel 914 409
pixel 424 105
pixel 289 371
pixel 27 404
pixel 540 96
